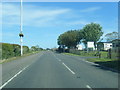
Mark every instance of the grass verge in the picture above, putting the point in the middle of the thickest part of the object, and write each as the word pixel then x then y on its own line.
pixel 110 63
pixel 18 57
pixel 71 54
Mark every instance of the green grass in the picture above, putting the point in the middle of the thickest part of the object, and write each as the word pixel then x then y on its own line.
pixel 18 57
pixel 99 59
pixel 92 53
pixel 103 54
pixel 104 61
pixel 82 53
pixel 71 54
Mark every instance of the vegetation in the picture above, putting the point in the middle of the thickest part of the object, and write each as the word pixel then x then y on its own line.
pixel 91 32
pixel 104 60
pixel 36 48
pixel 13 50
pixel 111 36
pixel 104 54
pixel 70 39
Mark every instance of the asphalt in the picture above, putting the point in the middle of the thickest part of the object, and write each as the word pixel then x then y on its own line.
pixel 53 70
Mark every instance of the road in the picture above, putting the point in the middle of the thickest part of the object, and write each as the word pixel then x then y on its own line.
pixel 53 70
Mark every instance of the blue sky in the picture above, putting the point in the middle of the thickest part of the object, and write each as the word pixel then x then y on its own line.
pixel 43 22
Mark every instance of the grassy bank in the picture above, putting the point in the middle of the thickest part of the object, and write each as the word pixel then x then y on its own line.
pixel 114 64
pixel 104 61
pixel 18 57
pixel 71 54
pixel 83 53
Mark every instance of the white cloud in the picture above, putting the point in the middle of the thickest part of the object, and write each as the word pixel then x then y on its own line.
pixel 41 16
pixel 32 15
pixel 91 9
pixel 83 22
pixel 10 9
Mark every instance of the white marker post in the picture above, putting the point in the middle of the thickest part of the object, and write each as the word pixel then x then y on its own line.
pixel 21 35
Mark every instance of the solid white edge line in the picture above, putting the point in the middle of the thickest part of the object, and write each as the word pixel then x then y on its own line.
pixel 12 78
pixel 88 87
pixel 68 68
pixel 90 62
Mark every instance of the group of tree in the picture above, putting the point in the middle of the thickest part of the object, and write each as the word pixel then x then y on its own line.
pixel 36 48
pixel 90 32
pixel 69 39
pixel 111 36
pixel 13 50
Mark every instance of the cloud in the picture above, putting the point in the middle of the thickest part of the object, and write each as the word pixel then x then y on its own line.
pixel 37 16
pixel 83 22
pixel 43 17
pixel 32 15
pixel 91 9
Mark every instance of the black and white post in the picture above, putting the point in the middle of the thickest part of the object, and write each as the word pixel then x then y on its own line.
pixel 21 34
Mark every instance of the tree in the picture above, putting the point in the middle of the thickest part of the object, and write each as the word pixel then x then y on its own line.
pixel 25 49
pixel 92 32
pixel 36 48
pixel 111 36
pixel 69 39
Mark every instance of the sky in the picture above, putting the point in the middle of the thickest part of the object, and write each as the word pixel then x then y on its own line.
pixel 43 22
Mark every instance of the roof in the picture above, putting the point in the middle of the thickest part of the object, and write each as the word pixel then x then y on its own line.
pixel 104 42
pixel 115 40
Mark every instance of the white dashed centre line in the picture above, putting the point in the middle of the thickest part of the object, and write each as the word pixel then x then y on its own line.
pixel 64 65
pixel 57 58
pixel 68 68
pixel 89 87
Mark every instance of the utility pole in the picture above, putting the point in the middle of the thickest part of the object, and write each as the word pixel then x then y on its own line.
pixel 21 34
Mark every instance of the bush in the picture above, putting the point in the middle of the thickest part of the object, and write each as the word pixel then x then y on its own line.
pixel 74 51
pixel 12 50
pixel 7 51
pixel 25 49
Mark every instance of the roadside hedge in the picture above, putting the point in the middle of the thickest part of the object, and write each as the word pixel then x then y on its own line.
pixel 12 50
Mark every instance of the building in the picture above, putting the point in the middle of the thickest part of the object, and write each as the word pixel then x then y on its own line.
pixel 104 46
pixel 90 46
pixel 107 46
pixel 79 47
pixel 115 49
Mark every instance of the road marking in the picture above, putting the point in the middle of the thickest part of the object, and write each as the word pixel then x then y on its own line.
pixel 68 68
pixel 12 78
pixel 90 62
pixel 88 87
pixel 57 58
